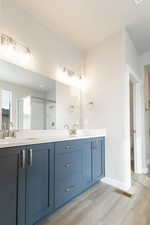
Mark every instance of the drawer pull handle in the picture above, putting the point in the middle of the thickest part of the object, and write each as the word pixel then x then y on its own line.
pixel 68 189
pixel 68 147
pixel 23 159
pixel 68 165
pixel 29 158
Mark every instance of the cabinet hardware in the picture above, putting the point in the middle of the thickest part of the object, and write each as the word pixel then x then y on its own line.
pixel 68 189
pixel 68 147
pixel 23 159
pixel 68 165
pixel 29 158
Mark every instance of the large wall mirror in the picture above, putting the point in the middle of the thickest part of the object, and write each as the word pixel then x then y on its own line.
pixel 34 102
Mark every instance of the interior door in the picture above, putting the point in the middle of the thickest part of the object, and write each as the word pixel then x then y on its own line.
pixel 40 174
pixel 12 187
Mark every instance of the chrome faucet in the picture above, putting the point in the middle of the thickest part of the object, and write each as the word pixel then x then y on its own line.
pixel 4 130
pixel 72 130
pixel 8 131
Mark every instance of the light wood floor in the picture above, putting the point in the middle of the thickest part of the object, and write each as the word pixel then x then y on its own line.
pixel 103 206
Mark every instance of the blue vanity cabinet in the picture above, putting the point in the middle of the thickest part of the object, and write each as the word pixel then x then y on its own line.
pixel 98 159
pixel 36 180
pixel 12 186
pixel 39 182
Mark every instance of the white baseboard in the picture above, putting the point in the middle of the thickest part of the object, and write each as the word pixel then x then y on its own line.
pixel 145 170
pixel 116 183
pixel 148 162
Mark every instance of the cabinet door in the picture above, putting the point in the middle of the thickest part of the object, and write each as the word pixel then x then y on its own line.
pixel 12 187
pixel 86 163
pixel 40 175
pixel 98 158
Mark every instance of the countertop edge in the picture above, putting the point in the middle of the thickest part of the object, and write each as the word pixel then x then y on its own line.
pixel 48 140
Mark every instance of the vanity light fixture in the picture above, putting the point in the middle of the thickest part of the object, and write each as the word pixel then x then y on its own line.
pixel 12 49
pixel 69 77
pixel 69 72
pixel 72 78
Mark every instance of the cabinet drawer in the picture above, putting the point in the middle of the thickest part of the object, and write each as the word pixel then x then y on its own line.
pixel 65 191
pixel 67 165
pixel 68 176
pixel 69 146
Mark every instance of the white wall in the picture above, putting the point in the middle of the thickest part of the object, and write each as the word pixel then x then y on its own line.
pixel 108 87
pixel 131 55
pixel 49 51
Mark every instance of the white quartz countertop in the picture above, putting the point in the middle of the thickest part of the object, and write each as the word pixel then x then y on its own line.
pixel 38 137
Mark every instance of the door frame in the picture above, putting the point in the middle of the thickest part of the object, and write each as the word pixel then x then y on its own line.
pixel 132 92
pixel 138 97
pixel 146 118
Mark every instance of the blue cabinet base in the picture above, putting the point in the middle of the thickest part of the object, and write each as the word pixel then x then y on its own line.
pixel 38 180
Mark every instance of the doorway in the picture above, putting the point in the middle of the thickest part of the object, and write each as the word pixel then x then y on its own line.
pixel 147 113
pixel 132 125
pixel 136 124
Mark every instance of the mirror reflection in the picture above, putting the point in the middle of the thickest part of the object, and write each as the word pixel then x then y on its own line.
pixel 32 101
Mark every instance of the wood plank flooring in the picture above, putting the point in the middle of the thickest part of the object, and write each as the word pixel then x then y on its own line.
pixel 103 206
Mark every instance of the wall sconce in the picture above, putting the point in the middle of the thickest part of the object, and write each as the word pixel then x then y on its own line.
pixel 11 49
pixel 71 108
pixel 90 105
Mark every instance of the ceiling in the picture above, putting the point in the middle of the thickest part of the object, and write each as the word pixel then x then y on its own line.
pixel 88 22
pixel 140 34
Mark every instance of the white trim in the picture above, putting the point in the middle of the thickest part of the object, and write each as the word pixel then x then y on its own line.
pixel 139 152
pixel 145 171
pixel 148 162
pixel 116 183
